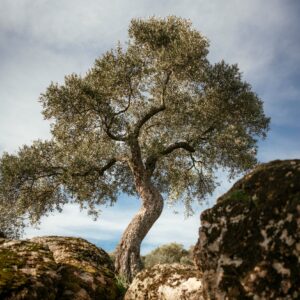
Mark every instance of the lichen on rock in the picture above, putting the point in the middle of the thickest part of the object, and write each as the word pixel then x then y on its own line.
pixel 249 242
pixel 52 268
pixel 27 271
pixel 166 281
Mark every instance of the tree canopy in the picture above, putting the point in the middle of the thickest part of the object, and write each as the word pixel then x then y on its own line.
pixel 157 98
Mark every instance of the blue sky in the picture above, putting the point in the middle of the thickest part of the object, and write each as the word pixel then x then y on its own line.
pixel 41 41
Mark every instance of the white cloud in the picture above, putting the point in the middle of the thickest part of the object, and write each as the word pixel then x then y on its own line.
pixel 72 221
pixel 111 224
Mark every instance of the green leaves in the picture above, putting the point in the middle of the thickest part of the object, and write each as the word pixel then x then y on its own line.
pixel 30 181
pixel 168 254
pixel 172 43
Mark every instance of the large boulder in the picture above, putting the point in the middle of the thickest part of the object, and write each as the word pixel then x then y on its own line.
pixel 249 242
pixel 27 271
pixel 166 282
pixel 55 268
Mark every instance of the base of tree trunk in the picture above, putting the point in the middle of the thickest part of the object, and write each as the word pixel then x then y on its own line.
pixel 127 260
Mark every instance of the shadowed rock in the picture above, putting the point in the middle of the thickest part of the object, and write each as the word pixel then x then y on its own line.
pixel 249 242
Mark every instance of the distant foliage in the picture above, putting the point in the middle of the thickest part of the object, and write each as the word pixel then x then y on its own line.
pixel 168 254
pixel 112 256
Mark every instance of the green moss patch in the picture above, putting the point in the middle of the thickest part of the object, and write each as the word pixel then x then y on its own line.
pixel 10 277
pixel 29 269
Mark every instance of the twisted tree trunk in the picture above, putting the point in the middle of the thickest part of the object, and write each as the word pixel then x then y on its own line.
pixel 127 260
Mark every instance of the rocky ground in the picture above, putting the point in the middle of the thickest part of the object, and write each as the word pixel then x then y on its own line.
pixel 248 248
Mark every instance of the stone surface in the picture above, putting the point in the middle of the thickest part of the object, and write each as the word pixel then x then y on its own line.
pixel 166 282
pixel 55 268
pixel 249 242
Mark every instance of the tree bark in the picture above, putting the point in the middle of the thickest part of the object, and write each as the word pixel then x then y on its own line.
pixel 127 260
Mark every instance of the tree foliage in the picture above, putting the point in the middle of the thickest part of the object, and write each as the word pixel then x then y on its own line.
pixel 168 254
pixel 188 116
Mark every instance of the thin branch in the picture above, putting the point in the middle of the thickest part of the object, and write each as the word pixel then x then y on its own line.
pixel 52 172
pixel 153 110
pixel 194 163
pixel 106 167
pixel 165 87
pixel 100 171
pixel 208 130
pixel 151 126
pixel 151 113
pixel 107 127
pixel 124 109
pixel 152 159
pixel 108 124
pixel 129 99
pixel 178 145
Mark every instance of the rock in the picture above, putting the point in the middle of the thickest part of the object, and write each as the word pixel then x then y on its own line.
pixel 55 268
pixel 249 242
pixel 166 281
pixel 27 271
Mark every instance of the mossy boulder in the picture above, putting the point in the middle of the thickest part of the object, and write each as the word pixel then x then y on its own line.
pixel 249 242
pixel 27 271
pixel 55 268
pixel 166 281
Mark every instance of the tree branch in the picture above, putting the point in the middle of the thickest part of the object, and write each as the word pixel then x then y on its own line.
pixel 58 171
pixel 152 159
pixel 208 130
pixel 178 145
pixel 195 162
pixel 108 125
pixel 153 110
pixel 129 100
pixel 113 136
pixel 100 171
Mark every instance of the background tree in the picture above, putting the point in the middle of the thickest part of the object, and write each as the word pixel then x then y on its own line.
pixel 168 254
pixel 149 119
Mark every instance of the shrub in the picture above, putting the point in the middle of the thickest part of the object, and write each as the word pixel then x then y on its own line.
pixel 168 254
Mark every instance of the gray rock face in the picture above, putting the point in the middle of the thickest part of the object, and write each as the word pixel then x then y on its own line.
pixel 166 282
pixel 249 242
pixel 55 268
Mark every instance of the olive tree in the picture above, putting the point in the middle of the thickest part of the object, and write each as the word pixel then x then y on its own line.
pixel 153 118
